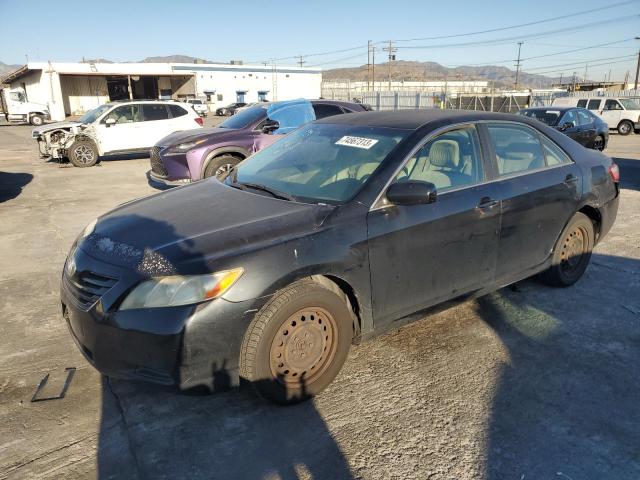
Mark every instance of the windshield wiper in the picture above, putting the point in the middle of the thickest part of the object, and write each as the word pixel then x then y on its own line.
pixel 258 186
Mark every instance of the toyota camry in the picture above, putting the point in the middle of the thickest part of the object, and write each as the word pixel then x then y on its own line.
pixel 343 229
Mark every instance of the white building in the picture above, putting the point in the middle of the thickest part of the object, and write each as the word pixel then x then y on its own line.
pixel 74 88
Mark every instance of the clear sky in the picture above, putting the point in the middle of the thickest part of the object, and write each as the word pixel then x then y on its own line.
pixel 258 31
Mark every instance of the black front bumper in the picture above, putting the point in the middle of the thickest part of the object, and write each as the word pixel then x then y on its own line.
pixel 188 346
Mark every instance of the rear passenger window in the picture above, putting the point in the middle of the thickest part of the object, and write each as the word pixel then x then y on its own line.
pixel 582 103
pixel 517 148
pixel 449 160
pixel 553 153
pixel 594 104
pixel 154 112
pixel 177 111
pixel 323 110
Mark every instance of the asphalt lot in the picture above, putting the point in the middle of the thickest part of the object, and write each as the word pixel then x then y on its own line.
pixel 527 383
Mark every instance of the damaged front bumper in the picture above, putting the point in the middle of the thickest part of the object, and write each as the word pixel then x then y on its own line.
pixel 188 346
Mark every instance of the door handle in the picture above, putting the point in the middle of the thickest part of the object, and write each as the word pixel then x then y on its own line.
pixel 570 178
pixel 487 203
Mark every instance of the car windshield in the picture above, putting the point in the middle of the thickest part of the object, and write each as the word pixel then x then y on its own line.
pixel 320 162
pixel 196 102
pixel 92 115
pixel 629 104
pixel 245 118
pixel 550 117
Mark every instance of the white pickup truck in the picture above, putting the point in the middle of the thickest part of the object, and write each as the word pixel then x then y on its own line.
pixel 17 109
pixel 198 105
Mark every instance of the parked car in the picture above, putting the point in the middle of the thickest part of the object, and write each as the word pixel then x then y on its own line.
pixel 577 123
pixel 198 105
pixel 621 114
pixel 347 227
pixel 114 128
pixel 184 157
pixel 229 109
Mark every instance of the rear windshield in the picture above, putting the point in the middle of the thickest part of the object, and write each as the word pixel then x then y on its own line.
pixel 550 117
pixel 245 118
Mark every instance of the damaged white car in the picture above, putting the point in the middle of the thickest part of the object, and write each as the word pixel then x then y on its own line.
pixel 113 129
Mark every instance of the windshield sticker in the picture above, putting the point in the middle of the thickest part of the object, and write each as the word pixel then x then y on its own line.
pixel 357 142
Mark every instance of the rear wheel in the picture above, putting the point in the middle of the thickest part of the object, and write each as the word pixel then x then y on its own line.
pixel 297 343
pixel 36 120
pixel 572 252
pixel 83 153
pixel 598 143
pixel 220 167
pixel 625 127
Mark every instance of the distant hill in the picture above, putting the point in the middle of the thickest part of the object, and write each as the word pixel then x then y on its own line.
pixel 174 59
pixel 4 68
pixel 429 71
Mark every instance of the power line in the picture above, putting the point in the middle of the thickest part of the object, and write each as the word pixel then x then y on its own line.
pixel 528 24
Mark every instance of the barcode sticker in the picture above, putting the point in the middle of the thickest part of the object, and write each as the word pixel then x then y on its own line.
pixel 357 142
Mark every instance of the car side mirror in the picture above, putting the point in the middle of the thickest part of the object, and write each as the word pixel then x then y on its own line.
pixel 412 192
pixel 270 126
pixel 566 126
pixel 110 122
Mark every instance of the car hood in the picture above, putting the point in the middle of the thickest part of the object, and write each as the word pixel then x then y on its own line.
pixel 184 136
pixel 187 230
pixel 55 126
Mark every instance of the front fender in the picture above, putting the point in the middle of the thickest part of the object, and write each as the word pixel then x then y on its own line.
pixel 216 152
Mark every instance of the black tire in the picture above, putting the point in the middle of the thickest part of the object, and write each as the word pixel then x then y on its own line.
pixel 572 252
pixel 220 167
pixel 598 143
pixel 36 120
pixel 288 354
pixel 83 153
pixel 625 127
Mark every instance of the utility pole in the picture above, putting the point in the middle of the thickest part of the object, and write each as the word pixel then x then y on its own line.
pixel 637 68
pixel 515 87
pixel 373 67
pixel 301 60
pixel 560 79
pixel 574 81
pixel 368 64
pixel 586 66
pixel 392 56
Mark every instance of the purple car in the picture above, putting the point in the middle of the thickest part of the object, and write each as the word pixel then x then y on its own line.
pixel 186 156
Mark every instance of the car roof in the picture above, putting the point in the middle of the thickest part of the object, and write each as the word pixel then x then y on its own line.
pixel 414 119
pixel 554 108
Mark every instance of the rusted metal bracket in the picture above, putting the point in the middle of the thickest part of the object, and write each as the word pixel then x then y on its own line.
pixel 70 372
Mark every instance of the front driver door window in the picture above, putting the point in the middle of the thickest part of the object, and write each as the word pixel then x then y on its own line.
pixel 422 254
pixel 123 135
pixel 611 112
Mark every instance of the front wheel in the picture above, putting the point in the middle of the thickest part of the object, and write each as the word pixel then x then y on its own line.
pixel 220 167
pixel 572 252
pixel 83 153
pixel 297 343
pixel 36 120
pixel 625 127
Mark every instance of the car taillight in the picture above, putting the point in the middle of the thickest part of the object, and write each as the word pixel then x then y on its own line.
pixel 614 171
pixel 199 121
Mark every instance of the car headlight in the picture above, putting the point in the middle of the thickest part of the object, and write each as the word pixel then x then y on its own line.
pixel 184 147
pixel 178 290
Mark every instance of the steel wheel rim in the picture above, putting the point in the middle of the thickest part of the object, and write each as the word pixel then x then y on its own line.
pixel 83 154
pixel 304 346
pixel 224 170
pixel 574 247
pixel 624 128
pixel 36 120
pixel 598 144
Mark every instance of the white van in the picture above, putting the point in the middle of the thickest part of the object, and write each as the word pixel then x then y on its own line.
pixel 622 114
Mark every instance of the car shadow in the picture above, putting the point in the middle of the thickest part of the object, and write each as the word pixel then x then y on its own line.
pixel 629 172
pixel 11 184
pixel 151 431
pixel 558 412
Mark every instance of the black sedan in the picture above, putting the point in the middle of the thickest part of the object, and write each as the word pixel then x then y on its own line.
pixel 229 109
pixel 577 123
pixel 343 229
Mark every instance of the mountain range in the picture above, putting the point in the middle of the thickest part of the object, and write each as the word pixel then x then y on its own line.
pixel 500 77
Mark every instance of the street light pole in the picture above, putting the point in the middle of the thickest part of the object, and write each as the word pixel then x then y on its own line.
pixel 637 68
